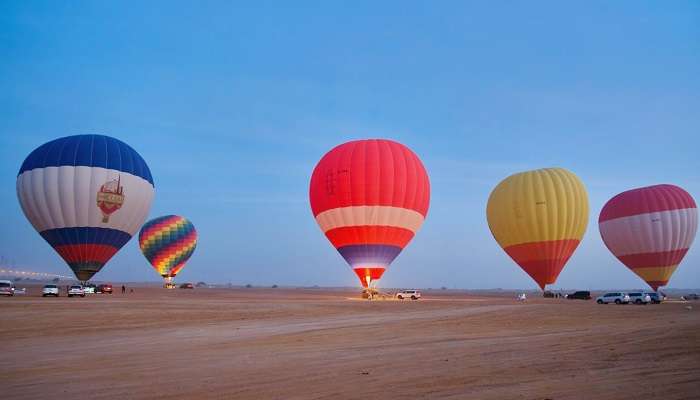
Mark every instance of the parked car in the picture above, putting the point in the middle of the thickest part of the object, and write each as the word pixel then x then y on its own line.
pixel 692 296
pixel 613 297
pixel 49 290
pixel 656 298
pixel 7 288
pixel 639 298
pixel 187 286
pixel 406 294
pixel 579 295
pixel 76 290
pixel 90 288
pixel 105 288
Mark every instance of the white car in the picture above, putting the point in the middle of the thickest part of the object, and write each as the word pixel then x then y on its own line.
pixel 7 288
pixel 656 298
pixel 76 290
pixel 639 298
pixel 49 290
pixel 408 294
pixel 613 297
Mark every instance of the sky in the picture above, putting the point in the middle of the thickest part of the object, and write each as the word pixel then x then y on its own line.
pixel 232 104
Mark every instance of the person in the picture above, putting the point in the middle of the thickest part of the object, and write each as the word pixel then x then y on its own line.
pixel 123 289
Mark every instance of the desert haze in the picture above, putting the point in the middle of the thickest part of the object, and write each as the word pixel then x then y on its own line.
pixel 316 343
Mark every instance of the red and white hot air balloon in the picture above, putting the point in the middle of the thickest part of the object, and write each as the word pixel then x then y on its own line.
pixel 650 230
pixel 369 197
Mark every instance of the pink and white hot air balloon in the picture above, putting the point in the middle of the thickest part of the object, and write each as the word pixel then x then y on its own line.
pixel 650 230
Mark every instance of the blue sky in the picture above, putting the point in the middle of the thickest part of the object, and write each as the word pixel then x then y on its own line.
pixel 232 104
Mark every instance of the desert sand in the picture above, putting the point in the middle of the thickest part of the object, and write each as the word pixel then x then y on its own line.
pixel 322 344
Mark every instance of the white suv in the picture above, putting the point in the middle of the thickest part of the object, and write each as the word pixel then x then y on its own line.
pixel 49 290
pixel 408 294
pixel 7 288
pixel 640 298
pixel 614 297
pixel 76 290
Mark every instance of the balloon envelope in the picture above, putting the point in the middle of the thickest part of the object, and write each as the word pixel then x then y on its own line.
pixel 168 242
pixel 539 217
pixel 650 230
pixel 369 197
pixel 86 195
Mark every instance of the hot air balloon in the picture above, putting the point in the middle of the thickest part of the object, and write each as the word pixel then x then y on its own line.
pixel 86 195
pixel 649 230
pixel 168 242
pixel 539 217
pixel 369 197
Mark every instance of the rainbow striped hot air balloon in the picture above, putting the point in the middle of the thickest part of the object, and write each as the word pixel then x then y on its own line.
pixel 86 195
pixel 650 230
pixel 369 197
pixel 167 243
pixel 539 218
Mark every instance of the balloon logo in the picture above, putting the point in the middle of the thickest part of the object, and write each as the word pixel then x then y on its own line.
pixel 369 197
pixel 167 243
pixel 86 195
pixel 110 198
pixel 539 218
pixel 650 230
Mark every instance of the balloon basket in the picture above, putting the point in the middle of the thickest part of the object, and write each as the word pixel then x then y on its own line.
pixel 168 282
pixel 369 293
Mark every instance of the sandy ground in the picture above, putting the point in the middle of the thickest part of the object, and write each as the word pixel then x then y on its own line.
pixel 320 344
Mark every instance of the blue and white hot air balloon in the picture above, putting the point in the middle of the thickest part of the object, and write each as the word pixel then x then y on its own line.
pixel 87 195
